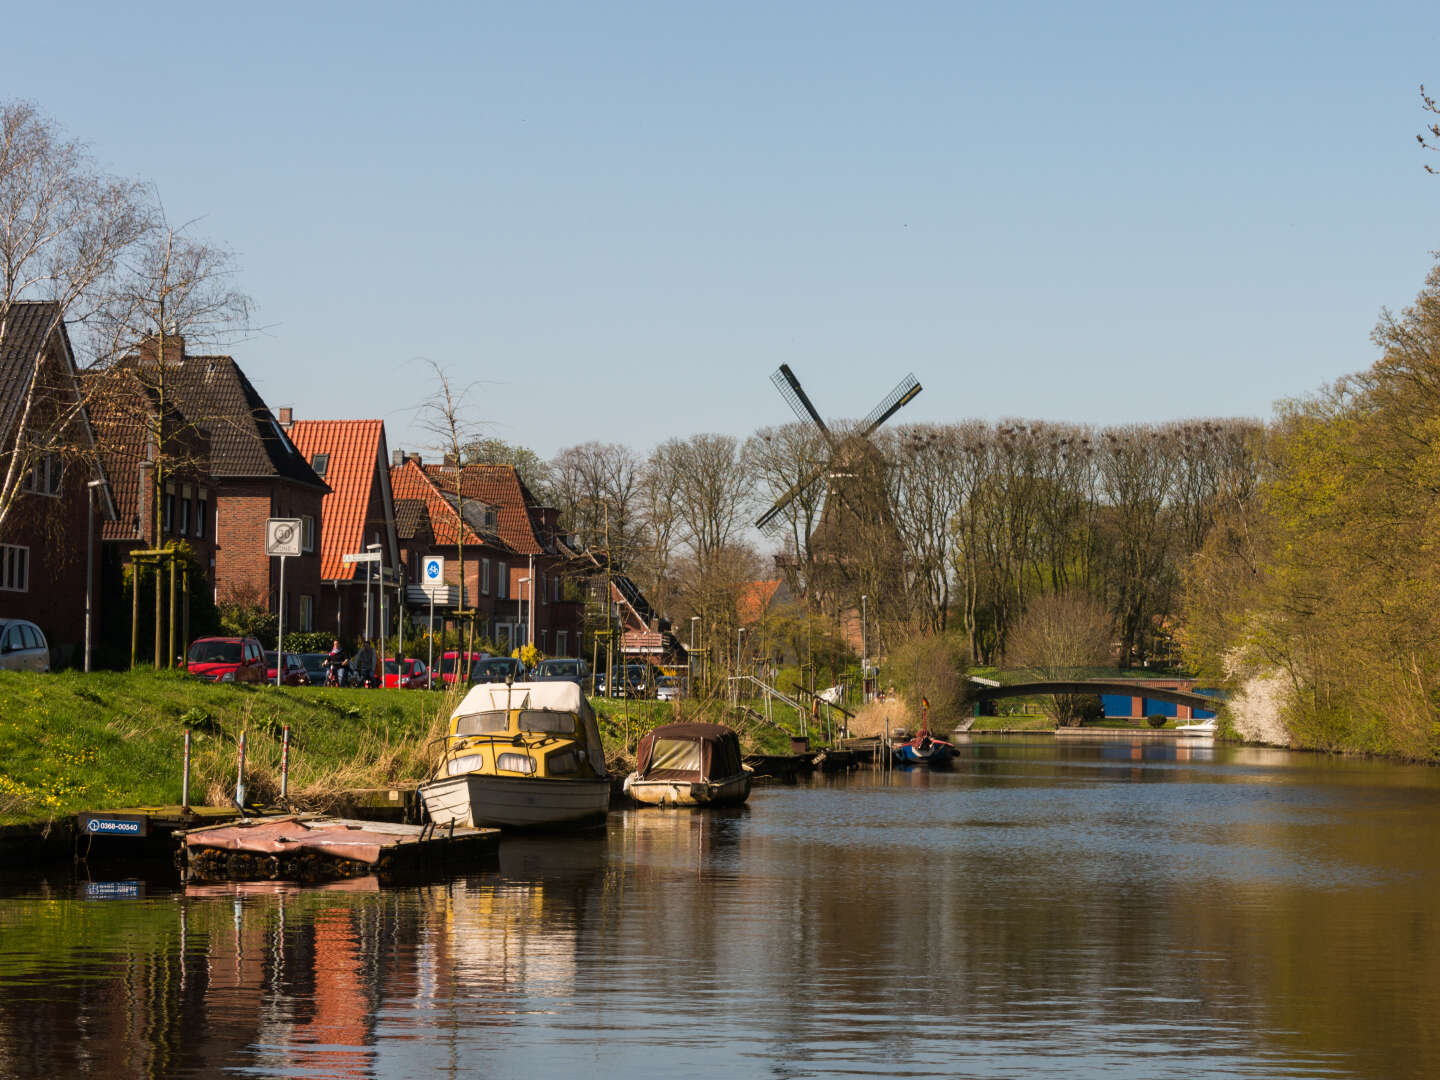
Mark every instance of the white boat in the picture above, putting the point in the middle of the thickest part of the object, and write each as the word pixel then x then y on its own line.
pixel 1204 727
pixel 522 755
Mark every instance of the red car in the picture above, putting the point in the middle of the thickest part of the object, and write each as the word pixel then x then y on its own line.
pixel 452 663
pixel 226 659
pixel 407 674
pixel 295 673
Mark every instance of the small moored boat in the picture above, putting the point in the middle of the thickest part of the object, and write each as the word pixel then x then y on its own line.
pixel 522 755
pixel 924 748
pixel 689 765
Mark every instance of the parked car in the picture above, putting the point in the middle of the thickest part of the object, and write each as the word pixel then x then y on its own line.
pixel 452 664
pixel 631 681
pixel 226 659
pixel 669 688
pixel 562 669
pixel 295 674
pixel 23 646
pixel 407 674
pixel 314 663
pixel 497 669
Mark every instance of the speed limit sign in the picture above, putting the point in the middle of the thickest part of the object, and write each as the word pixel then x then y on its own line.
pixel 282 536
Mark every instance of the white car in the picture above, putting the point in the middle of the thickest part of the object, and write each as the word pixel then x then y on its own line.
pixel 23 647
pixel 668 688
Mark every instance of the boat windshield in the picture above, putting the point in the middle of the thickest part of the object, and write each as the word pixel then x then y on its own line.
pixel 680 754
pixel 561 723
pixel 482 723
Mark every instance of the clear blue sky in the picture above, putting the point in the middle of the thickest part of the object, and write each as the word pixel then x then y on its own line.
pixel 624 217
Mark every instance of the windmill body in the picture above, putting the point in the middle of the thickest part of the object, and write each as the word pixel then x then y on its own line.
pixel 855 548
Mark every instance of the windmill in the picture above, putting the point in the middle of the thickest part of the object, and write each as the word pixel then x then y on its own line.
pixel 854 467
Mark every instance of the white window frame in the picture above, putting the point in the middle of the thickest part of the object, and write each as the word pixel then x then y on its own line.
pixel 562 639
pixel 484 577
pixel 44 476
pixel 502 582
pixel 307 612
pixel 202 511
pixel 14 568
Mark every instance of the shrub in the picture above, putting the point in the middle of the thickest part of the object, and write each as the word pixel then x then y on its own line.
pixel 1155 720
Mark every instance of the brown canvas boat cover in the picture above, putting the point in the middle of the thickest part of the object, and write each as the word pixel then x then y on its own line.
pixel 694 752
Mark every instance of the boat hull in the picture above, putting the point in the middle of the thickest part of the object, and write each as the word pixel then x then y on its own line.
pixel 727 792
pixel 478 799
pixel 937 753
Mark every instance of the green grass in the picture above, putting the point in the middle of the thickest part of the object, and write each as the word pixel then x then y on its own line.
pixel 71 742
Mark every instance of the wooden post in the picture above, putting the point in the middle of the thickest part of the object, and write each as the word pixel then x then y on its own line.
pixel 170 656
pixel 185 780
pixel 159 613
pixel 184 608
pixel 134 610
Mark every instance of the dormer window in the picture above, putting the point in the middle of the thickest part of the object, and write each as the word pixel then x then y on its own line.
pixel 320 464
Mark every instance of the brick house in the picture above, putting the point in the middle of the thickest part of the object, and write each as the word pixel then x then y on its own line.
pixel 258 473
pixel 352 458
pixel 429 524
pixel 545 611
pixel 43 542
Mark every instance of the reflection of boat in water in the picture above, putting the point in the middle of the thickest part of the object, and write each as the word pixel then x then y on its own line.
pixel 689 765
pixel 527 754
pixel 924 748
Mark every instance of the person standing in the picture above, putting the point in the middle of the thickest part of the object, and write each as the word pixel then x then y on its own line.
pixel 365 662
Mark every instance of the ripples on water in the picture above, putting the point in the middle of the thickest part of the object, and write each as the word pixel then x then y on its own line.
pixel 1042 910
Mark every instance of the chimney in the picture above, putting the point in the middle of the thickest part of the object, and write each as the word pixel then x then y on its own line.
pixel 451 460
pixel 415 458
pixel 285 417
pixel 397 458
pixel 174 349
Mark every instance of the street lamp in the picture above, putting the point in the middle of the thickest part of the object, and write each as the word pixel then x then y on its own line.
pixel 690 658
pixel 90 487
pixel 865 650
pixel 520 606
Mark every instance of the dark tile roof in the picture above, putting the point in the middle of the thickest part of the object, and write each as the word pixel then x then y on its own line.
pixel 245 439
pixel 25 331
pixel 412 481
pixel 412 521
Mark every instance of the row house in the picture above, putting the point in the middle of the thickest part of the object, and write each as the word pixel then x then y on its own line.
pixel 251 471
pixel 514 553
pixel 359 518
pixel 46 558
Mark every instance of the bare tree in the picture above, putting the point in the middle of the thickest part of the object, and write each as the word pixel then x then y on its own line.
pixel 172 292
pixel 712 486
pixel 1058 633
pixel 1430 137
pixel 781 458
pixel 63 224
pixel 595 488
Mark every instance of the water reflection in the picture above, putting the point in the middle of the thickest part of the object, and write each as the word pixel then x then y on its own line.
pixel 1043 909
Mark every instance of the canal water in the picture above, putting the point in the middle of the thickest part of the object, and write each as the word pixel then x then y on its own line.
pixel 1044 909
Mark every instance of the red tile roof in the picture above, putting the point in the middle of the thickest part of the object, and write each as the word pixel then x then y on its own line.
pixel 754 599
pixel 499 486
pixel 354 449
pixel 411 481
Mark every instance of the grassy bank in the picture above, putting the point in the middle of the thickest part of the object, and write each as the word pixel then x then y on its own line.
pixel 71 742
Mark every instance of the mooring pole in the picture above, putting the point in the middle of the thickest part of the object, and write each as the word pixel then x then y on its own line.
pixel 240 778
pixel 185 777
pixel 285 763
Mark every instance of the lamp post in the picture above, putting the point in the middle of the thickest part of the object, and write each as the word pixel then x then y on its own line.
pixel 520 607
pixel 690 658
pixel 865 650
pixel 90 487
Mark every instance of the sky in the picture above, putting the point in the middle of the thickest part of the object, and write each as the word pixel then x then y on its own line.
pixel 616 220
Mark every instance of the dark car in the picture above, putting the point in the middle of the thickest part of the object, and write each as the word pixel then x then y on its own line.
pixel 314 664
pixel 226 659
pixel 295 673
pixel 562 669
pixel 497 669
pixel 632 682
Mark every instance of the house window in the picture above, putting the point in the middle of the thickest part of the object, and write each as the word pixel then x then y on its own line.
pixel 202 511
pixel 44 476
pixel 544 590
pixel 502 581
pixel 320 464
pixel 307 534
pixel 184 517
pixel 307 613
pixel 555 589
pixel 484 577
pixel 562 639
pixel 169 512
pixel 14 568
